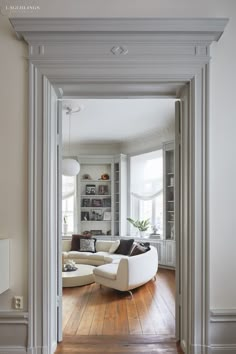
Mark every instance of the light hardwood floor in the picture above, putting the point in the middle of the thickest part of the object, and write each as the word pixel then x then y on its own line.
pixel 102 320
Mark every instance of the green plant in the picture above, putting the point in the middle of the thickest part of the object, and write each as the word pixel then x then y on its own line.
pixel 65 219
pixel 142 225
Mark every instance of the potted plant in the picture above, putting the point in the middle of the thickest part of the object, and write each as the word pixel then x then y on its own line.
pixel 141 225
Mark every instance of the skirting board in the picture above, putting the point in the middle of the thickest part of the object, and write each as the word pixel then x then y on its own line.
pixel 12 350
pixel 16 324
pixel 223 331
pixel 226 349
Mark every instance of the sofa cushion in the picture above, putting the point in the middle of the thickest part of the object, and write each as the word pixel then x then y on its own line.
pixel 139 249
pixel 87 245
pixel 75 242
pixel 107 271
pixel 125 246
pixel 114 246
pixel 103 245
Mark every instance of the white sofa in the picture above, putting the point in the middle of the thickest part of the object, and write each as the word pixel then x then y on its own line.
pixel 102 255
pixel 116 271
pixel 128 273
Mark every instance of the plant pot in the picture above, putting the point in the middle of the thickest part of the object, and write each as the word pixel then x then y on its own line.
pixel 65 228
pixel 142 234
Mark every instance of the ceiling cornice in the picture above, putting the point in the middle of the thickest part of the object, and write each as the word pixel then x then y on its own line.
pixel 212 27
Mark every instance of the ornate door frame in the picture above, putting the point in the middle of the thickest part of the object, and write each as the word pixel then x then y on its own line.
pixel 118 57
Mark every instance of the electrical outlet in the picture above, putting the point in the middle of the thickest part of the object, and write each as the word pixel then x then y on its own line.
pixel 18 302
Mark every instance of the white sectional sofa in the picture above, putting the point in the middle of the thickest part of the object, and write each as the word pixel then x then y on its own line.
pixel 113 270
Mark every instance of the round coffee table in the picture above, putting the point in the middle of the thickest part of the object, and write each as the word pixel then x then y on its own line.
pixel 81 276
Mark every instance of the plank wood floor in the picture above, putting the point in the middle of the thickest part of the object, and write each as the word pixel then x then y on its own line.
pixel 103 320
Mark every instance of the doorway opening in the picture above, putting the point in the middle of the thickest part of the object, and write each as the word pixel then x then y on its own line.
pixel 142 131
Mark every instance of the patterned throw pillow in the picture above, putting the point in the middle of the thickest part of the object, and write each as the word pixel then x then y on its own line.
pixel 75 242
pixel 87 245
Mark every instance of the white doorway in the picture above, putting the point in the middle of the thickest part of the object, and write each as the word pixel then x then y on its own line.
pixel 127 60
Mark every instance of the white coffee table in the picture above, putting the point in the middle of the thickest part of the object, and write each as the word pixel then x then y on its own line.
pixel 82 276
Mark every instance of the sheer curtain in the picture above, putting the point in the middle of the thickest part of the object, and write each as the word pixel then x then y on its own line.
pixel 146 188
pixel 68 203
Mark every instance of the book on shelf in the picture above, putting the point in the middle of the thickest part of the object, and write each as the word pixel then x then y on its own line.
pixel 90 189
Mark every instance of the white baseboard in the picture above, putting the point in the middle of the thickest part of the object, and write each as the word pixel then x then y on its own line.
pixel 54 347
pixel 13 350
pixel 222 331
pixel 218 349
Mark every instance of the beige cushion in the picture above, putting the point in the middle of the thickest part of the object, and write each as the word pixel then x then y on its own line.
pixel 103 245
pixel 107 271
pixel 114 246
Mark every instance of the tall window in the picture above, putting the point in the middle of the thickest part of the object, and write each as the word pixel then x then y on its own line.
pixel 68 204
pixel 146 189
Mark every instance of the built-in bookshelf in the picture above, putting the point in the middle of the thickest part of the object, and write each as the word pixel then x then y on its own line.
pixel 100 194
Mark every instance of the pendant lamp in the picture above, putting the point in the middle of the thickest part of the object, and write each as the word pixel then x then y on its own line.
pixel 70 166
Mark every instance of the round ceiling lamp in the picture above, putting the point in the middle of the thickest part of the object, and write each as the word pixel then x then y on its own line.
pixel 70 166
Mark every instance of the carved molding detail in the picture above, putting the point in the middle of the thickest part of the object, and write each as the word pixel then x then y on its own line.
pixel 119 50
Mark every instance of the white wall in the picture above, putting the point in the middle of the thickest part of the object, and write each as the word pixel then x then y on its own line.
pixel 222 129
pixel 13 158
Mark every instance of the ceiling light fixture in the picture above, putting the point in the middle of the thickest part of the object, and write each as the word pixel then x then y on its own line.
pixel 70 166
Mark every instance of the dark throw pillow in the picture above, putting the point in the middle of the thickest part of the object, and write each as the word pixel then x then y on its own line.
pixel 88 245
pixel 139 248
pixel 75 242
pixel 125 247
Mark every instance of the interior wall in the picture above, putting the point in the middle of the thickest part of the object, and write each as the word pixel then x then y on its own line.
pixel 13 142
pixel 13 158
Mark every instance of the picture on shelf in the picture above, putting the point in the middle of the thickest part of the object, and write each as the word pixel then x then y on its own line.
pixel 84 215
pixel 90 189
pixel 85 203
pixel 96 232
pixel 96 203
pixel 96 215
pixel 107 216
pixel 107 202
pixel 102 189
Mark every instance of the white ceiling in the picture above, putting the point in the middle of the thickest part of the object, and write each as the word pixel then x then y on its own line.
pixel 115 120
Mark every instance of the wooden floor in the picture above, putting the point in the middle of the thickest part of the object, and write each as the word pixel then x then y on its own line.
pixel 102 320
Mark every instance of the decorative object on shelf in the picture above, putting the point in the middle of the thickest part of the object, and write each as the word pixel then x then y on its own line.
pixel 90 189
pixel 85 203
pixel 105 176
pixel 96 232
pixel 85 216
pixel 96 203
pixel 155 232
pixel 103 189
pixel 172 232
pixel 96 215
pixel 86 176
pixel 107 216
pixel 69 266
pixel 86 233
pixel 171 181
pixel 70 167
pixel 141 225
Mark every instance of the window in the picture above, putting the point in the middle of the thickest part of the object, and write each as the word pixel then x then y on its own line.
pixel 146 189
pixel 68 204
